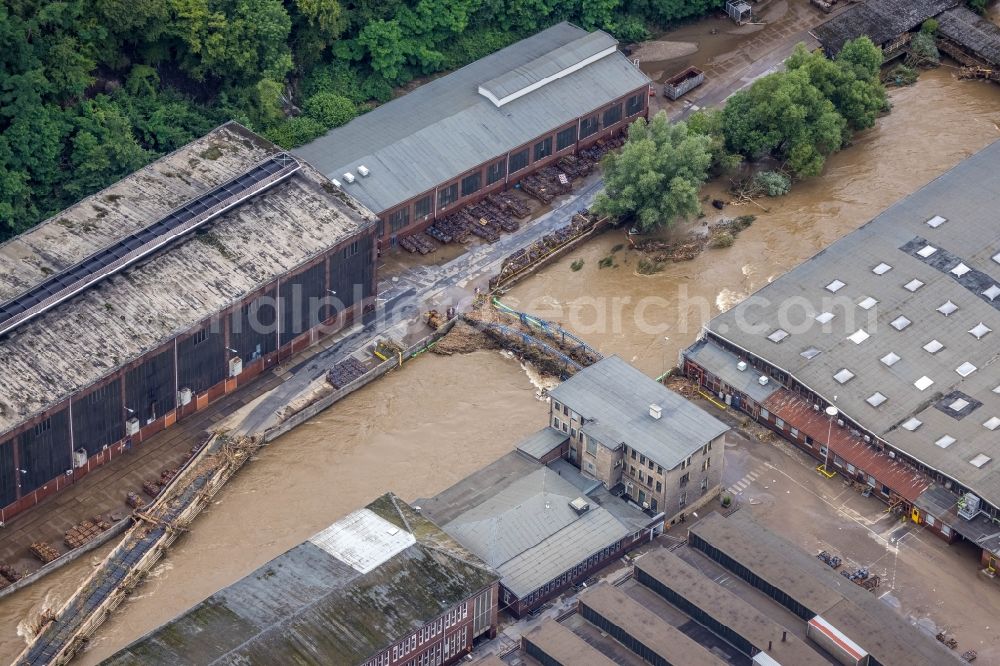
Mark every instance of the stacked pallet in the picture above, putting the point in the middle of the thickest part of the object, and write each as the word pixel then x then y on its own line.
pixel 133 500
pixel 43 551
pixel 10 574
pixel 345 372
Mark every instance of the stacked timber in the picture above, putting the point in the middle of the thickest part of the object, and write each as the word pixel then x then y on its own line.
pixel 10 574
pixel 151 488
pixel 43 551
pixel 84 532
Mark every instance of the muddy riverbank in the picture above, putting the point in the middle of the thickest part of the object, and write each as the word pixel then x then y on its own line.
pixel 648 319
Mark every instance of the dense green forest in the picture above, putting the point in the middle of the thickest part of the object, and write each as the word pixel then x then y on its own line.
pixel 91 90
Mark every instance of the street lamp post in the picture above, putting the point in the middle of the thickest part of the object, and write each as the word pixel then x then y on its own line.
pixel 831 411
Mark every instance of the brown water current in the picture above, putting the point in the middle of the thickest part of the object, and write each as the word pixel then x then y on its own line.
pixel 420 429
pixel 648 319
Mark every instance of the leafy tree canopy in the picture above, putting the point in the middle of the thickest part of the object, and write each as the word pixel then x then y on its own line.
pixel 655 178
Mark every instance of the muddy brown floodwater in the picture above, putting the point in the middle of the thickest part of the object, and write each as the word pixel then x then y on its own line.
pixel 419 430
pixel 415 431
pixel 648 319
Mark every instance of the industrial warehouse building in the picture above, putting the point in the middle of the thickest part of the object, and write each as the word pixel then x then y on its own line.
pixel 483 127
pixel 383 586
pixel 894 325
pixel 143 303
pixel 543 528
pixel 846 621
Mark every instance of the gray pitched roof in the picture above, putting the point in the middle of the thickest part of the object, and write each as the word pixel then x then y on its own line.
pixel 966 198
pixel 881 20
pixel 446 127
pixel 321 604
pixel 973 31
pixel 615 398
pixel 594 531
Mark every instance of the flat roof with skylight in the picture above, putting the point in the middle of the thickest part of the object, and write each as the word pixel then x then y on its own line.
pixel 906 310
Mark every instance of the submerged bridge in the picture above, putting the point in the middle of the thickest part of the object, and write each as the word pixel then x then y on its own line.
pixel 550 329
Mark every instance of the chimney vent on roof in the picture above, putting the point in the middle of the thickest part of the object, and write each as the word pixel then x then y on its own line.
pixel 349 177
pixel 655 411
pixel 363 170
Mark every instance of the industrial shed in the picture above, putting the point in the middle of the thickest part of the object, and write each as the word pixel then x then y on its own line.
pixel 542 528
pixel 895 326
pixel 883 21
pixel 483 127
pixel 380 586
pixel 142 303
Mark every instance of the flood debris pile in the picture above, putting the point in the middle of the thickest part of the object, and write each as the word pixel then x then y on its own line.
pixel 487 219
pixel 553 351
pixel 721 234
pixel 581 223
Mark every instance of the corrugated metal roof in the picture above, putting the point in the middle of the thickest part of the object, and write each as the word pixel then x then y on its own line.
pixel 799 413
pixel 550 65
pixel 309 607
pixel 517 517
pixel 881 20
pixel 445 127
pixel 965 197
pixel 594 531
pixel 541 443
pixel 92 335
pixel 722 364
pixel 975 32
pixel 615 398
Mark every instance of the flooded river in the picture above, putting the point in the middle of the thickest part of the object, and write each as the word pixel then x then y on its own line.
pixel 420 429
pixel 648 319
pixel 415 431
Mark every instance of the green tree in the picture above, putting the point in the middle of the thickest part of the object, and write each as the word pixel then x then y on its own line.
pixel 851 82
pixel 786 115
pixel 709 123
pixel 923 51
pixel 383 40
pixel 103 148
pixel 330 109
pixel 655 178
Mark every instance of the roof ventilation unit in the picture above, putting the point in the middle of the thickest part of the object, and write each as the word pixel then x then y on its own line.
pixel 741 366
pixel 363 170
pixel 336 182
pixel 349 177
pixel 580 505
pixel 762 380
pixel 655 411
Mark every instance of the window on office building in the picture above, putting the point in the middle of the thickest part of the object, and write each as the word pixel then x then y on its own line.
pixel 518 160
pixel 447 195
pixel 613 115
pixel 496 171
pixel 543 148
pixel 566 138
pixel 423 207
pixel 588 126
pixel 472 183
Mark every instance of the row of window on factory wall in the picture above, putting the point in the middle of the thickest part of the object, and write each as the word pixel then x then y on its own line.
pixel 516 161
